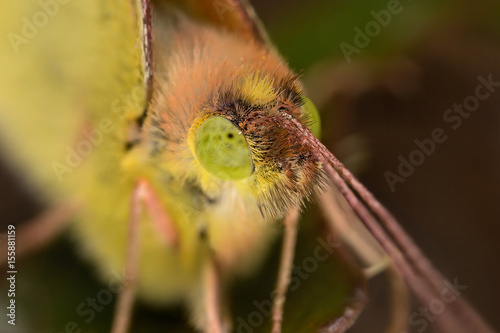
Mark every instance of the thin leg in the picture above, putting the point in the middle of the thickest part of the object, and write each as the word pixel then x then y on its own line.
pixel 344 223
pixel 400 302
pixel 142 193
pixel 41 230
pixel 285 270
pixel 159 216
pixel 345 321
pixel 212 297
pixel 123 310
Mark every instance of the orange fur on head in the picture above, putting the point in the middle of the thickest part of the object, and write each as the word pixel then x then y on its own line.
pixel 214 73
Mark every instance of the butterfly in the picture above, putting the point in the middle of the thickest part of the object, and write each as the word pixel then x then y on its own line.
pixel 178 158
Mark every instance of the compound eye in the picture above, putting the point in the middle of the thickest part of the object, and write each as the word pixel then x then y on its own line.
pixel 312 113
pixel 222 149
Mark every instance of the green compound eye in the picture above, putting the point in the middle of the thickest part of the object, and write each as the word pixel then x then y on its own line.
pixel 222 149
pixel 313 114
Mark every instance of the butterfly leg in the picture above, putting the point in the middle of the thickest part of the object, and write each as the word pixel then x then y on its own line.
pixel 123 310
pixel 162 221
pixel 142 194
pixel 285 270
pixel 344 223
pixel 212 297
pixel 41 230
pixel 400 302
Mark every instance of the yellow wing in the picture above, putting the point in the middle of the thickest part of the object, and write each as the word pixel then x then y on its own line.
pixel 65 65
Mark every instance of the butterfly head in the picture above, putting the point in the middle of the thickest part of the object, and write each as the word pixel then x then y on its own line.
pixel 238 138
pixel 216 120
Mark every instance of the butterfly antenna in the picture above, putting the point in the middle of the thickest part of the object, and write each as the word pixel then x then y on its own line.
pixel 425 281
